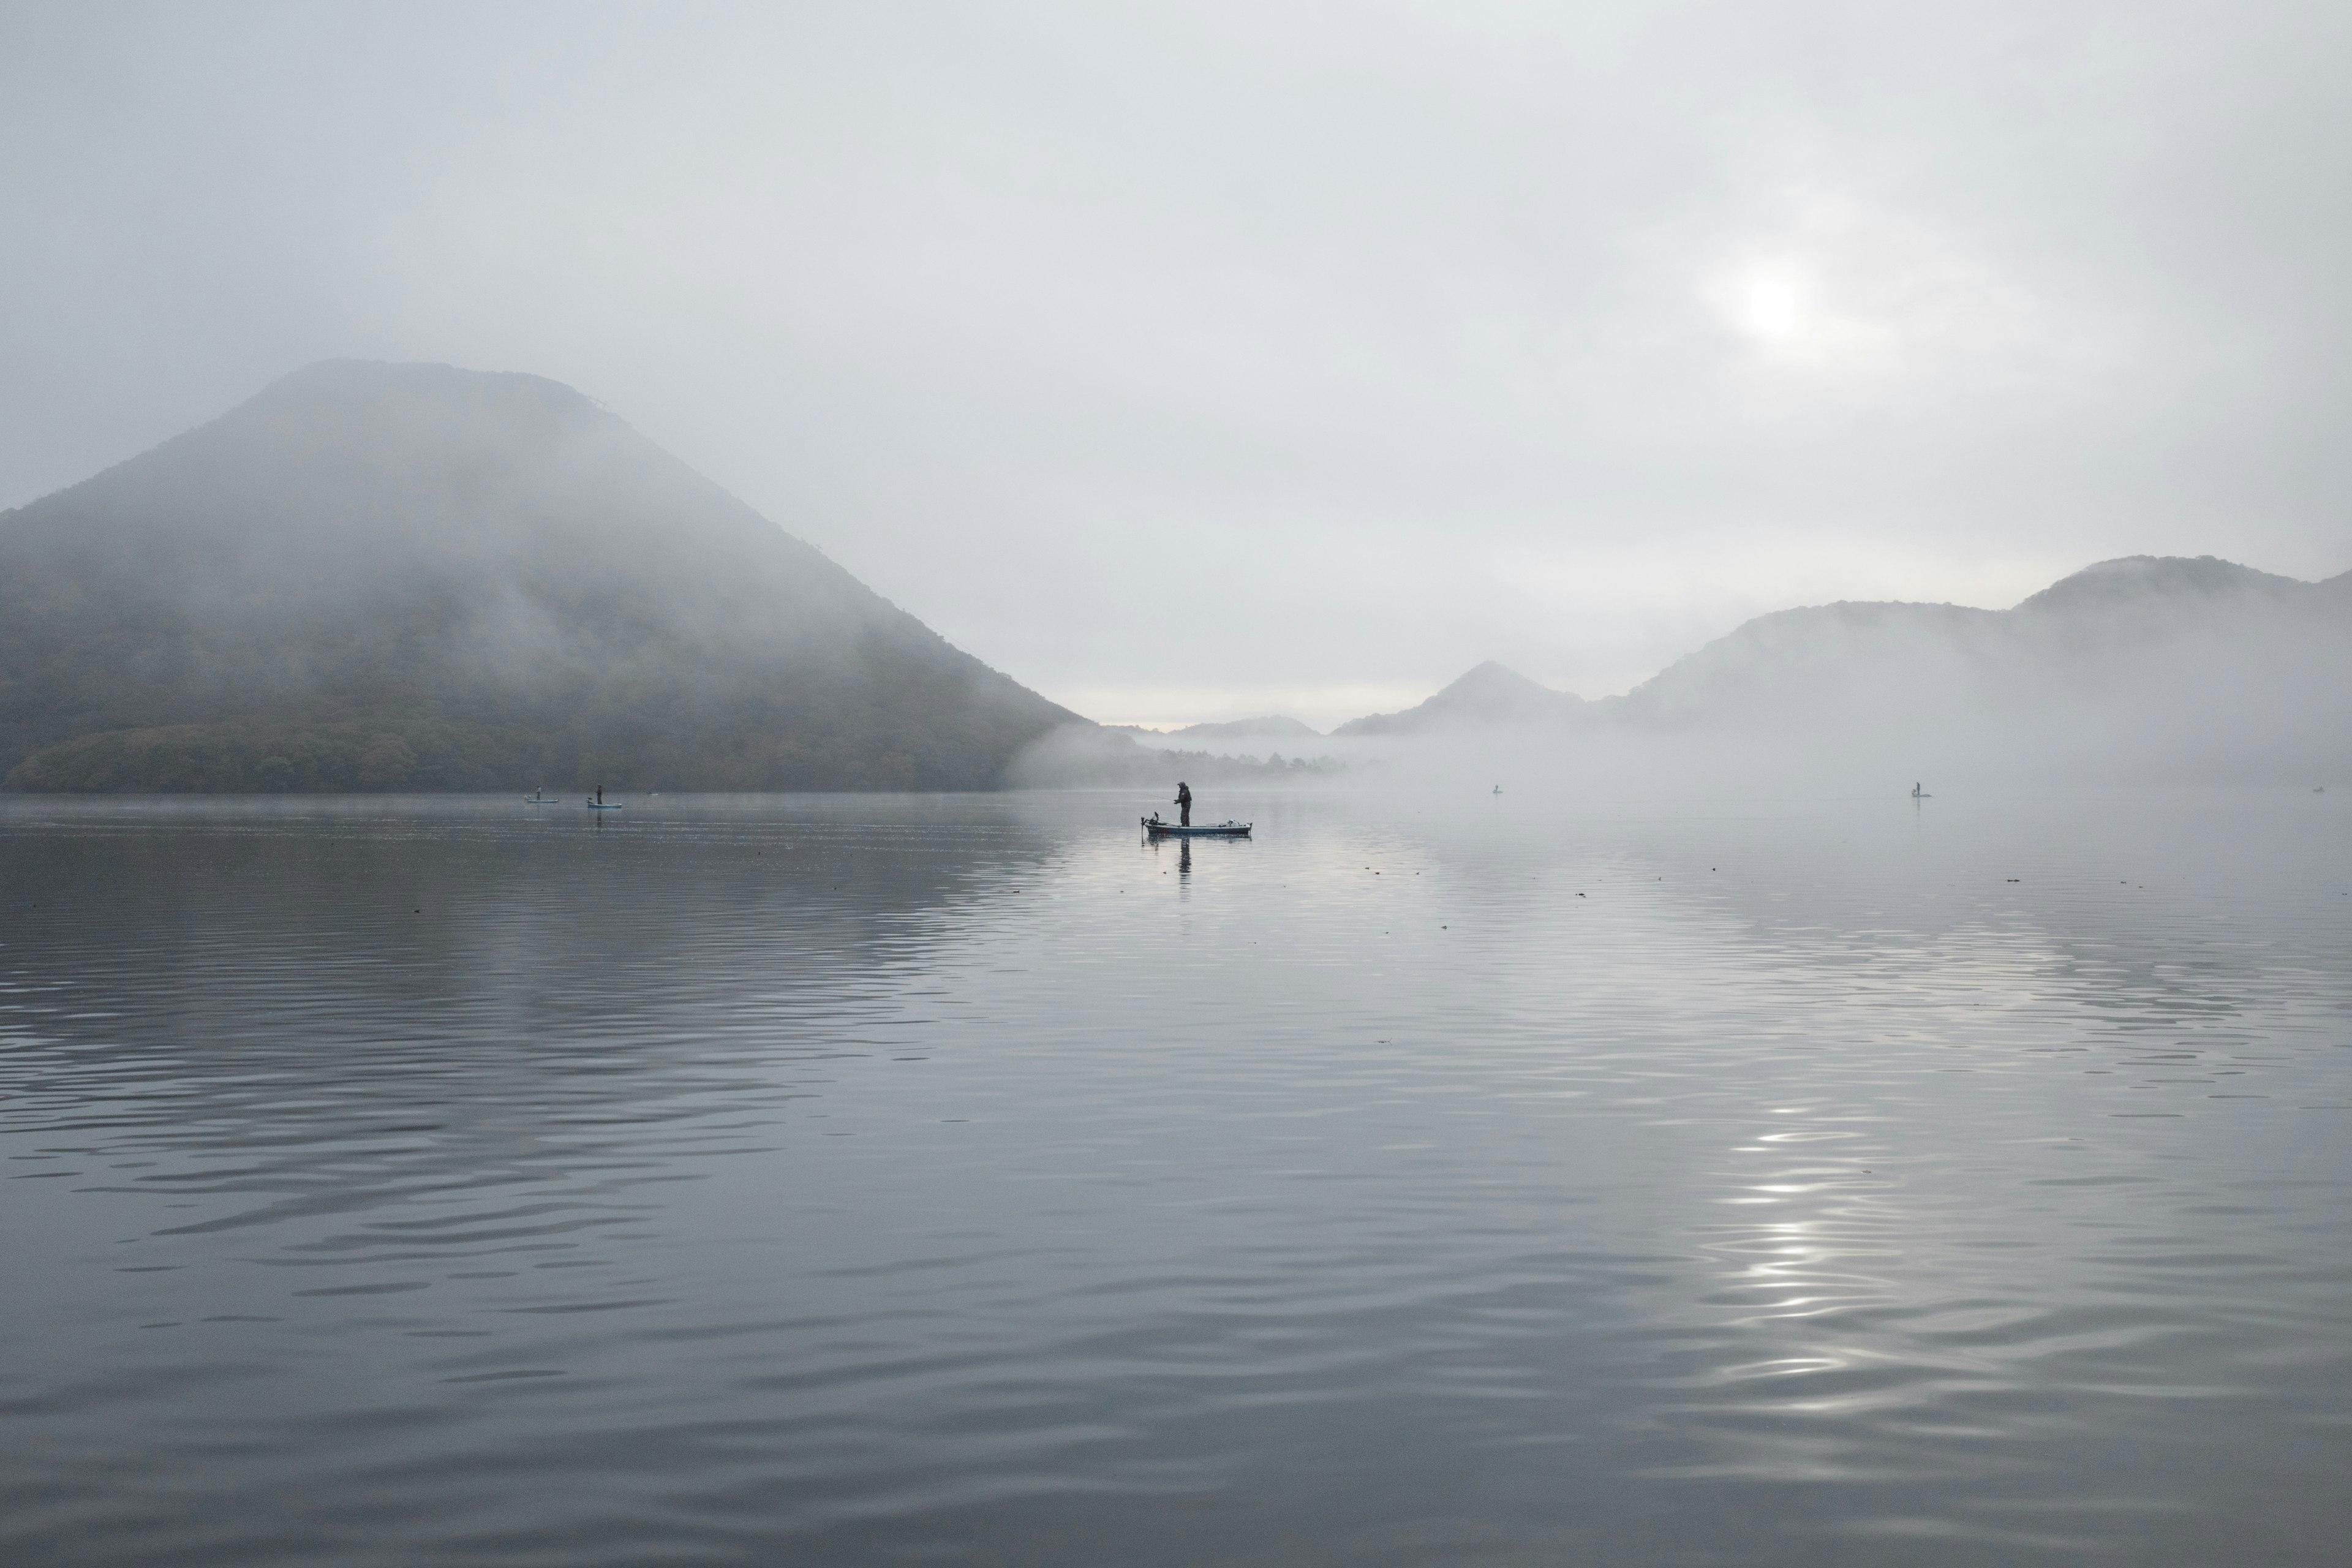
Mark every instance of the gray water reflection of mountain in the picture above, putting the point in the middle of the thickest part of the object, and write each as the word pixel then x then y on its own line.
pixel 881 1178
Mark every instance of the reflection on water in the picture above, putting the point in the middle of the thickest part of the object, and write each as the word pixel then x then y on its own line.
pixel 882 1179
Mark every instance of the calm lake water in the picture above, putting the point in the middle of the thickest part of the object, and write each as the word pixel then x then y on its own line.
pixel 947 1180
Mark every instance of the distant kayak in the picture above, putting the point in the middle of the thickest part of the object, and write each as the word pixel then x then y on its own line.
pixel 1159 829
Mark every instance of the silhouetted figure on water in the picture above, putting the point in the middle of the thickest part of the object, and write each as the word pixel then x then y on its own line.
pixel 1183 803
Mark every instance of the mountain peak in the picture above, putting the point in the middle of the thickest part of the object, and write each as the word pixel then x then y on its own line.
pixel 1488 693
pixel 355 383
pixel 2142 579
pixel 1492 681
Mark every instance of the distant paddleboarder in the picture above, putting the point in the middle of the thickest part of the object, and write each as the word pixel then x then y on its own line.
pixel 1183 803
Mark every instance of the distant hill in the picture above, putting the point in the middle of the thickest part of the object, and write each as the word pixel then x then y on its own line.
pixel 1267 729
pixel 389 577
pixel 2160 660
pixel 1095 756
pixel 2146 640
pixel 1489 695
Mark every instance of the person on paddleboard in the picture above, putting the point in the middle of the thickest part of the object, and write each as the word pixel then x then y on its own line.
pixel 1183 803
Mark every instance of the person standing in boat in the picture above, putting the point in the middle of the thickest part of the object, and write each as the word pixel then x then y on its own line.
pixel 1183 803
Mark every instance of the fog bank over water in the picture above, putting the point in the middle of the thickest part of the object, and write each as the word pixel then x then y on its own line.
pixel 2134 669
pixel 404 577
pixel 1197 363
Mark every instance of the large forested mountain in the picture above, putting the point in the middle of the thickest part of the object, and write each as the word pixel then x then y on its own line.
pixel 377 576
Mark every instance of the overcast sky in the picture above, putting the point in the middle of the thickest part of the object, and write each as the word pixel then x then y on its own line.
pixel 1196 361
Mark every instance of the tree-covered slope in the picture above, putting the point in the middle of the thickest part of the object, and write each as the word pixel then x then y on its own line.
pixel 378 576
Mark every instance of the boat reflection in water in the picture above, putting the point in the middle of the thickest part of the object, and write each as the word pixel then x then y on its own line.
pixel 1156 832
pixel 1183 853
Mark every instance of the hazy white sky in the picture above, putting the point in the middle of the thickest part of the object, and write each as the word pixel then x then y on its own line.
pixel 1194 360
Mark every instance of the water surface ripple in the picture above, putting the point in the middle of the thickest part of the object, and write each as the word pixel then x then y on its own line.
pixel 960 1178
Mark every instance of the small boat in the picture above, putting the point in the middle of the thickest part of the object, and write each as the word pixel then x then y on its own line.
pixel 599 802
pixel 541 797
pixel 1159 829
pixel 1919 793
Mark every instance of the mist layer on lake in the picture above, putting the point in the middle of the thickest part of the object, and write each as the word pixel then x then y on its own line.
pixel 882 1179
